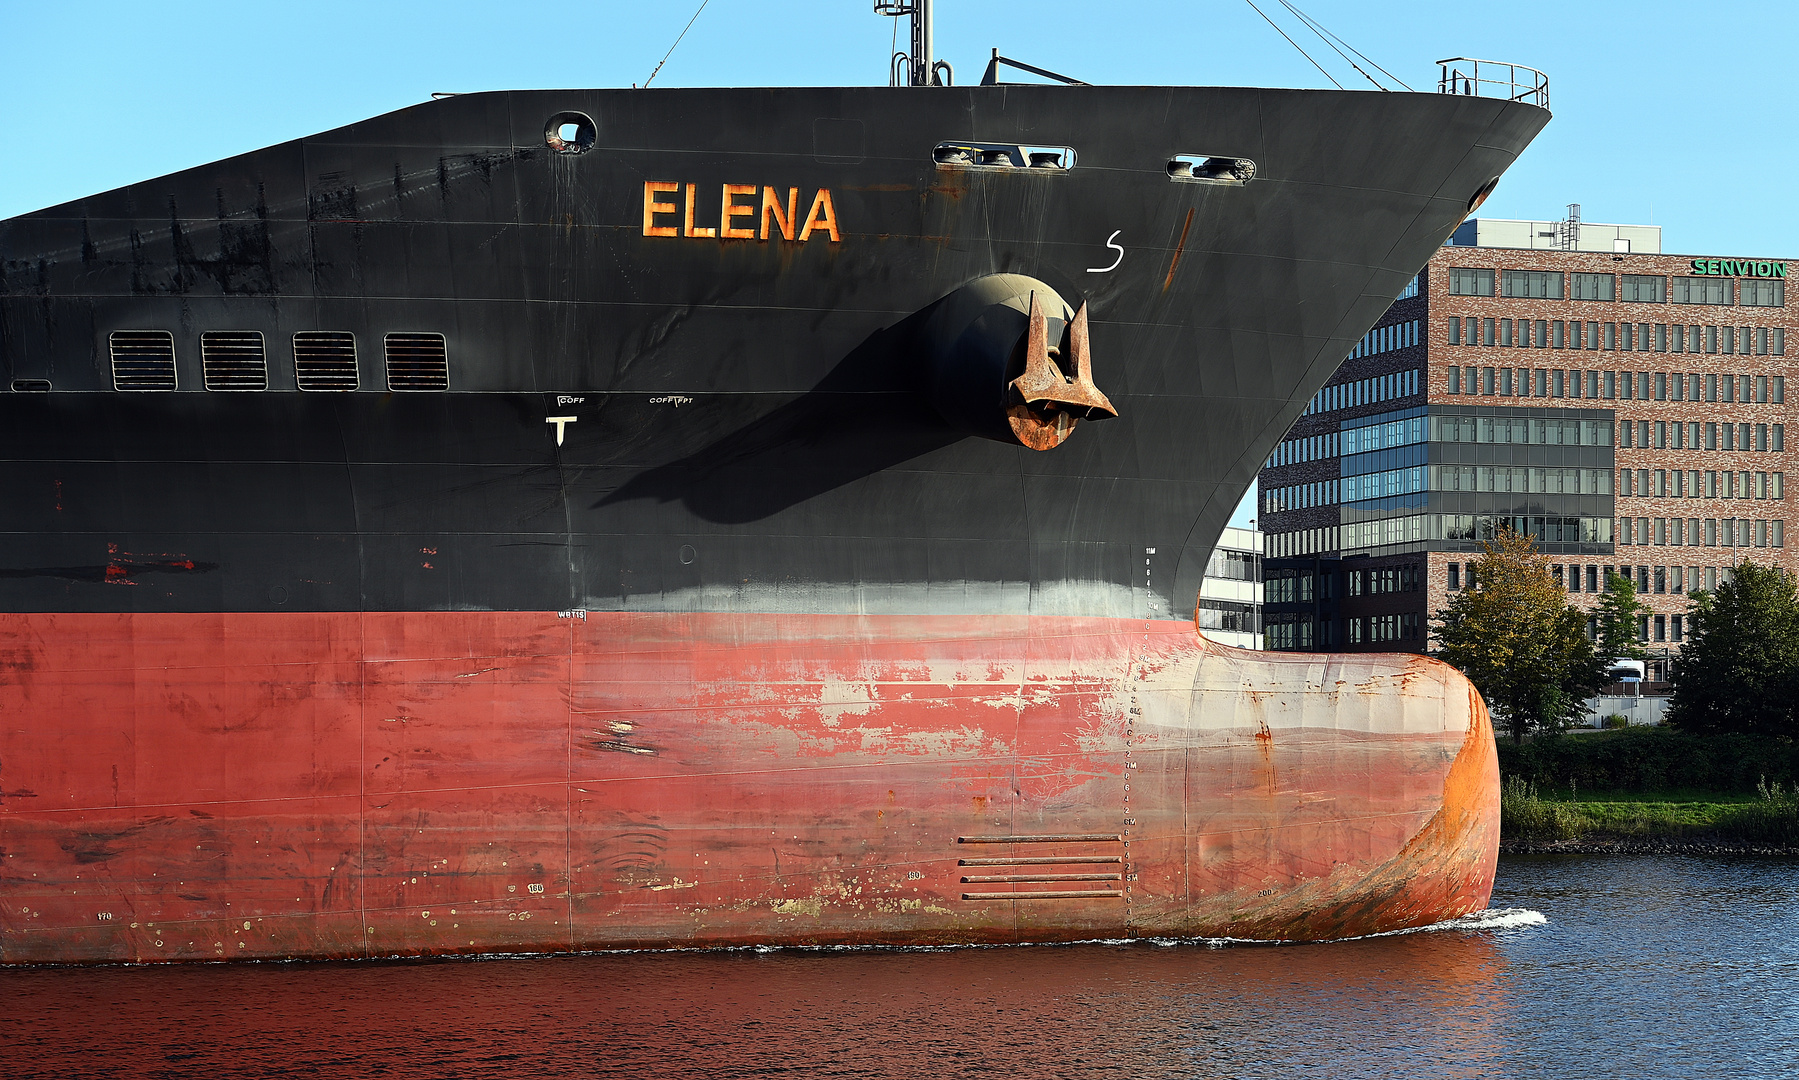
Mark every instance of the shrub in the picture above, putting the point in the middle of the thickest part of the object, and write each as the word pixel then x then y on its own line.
pixel 1651 759
pixel 1525 816
pixel 1616 720
pixel 1773 819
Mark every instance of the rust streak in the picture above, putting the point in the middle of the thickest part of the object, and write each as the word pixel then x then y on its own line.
pixel 1178 248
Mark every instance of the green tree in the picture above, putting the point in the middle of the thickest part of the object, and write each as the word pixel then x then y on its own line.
pixel 1519 641
pixel 1739 667
pixel 1617 616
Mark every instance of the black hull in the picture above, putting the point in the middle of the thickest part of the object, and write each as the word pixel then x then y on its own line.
pixel 753 433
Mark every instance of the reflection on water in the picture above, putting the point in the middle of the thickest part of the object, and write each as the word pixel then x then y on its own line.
pixel 1667 967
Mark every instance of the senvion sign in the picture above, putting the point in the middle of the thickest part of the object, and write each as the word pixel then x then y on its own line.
pixel 1738 268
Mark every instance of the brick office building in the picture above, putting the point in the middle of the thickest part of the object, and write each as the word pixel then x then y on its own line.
pixel 1626 407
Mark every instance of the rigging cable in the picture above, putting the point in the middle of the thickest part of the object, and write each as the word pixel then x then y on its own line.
pixel 1327 41
pixel 892 51
pixel 1295 44
pixel 1324 32
pixel 671 48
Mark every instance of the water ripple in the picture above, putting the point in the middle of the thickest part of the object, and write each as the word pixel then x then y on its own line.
pixel 1584 966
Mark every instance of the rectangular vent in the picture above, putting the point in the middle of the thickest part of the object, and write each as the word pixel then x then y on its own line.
pixel 143 359
pixel 234 360
pixel 325 360
pixel 417 362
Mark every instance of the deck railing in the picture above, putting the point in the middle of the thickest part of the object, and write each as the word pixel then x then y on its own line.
pixel 1493 78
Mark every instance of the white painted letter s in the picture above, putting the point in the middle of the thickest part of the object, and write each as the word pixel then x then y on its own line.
pixel 1115 247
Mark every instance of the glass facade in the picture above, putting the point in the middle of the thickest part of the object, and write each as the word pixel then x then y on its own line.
pixel 1377 504
pixel 1444 478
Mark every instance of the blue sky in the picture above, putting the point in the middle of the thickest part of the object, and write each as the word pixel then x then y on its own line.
pixel 1680 114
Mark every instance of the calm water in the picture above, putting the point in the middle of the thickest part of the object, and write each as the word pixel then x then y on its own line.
pixel 1643 968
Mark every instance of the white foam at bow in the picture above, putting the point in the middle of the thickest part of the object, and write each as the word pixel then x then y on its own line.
pixel 1510 918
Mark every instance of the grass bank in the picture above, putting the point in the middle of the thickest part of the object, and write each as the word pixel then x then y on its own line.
pixel 1530 821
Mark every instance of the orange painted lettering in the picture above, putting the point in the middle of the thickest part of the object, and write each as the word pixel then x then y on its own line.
pixel 651 207
pixel 822 216
pixel 771 206
pixel 732 210
pixel 691 230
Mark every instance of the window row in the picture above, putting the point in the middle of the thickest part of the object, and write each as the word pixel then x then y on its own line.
pixel 1373 629
pixel 1424 528
pixel 1234 565
pixel 1547 530
pixel 1301 496
pixel 1520 478
pixel 1372 433
pixel 1289 545
pixel 1379 582
pixel 1306 448
pixel 1701 532
pixel 1387 338
pixel 1526 430
pixel 1663 386
pixel 1367 391
pixel 1616 337
pixel 1363 535
pixel 1384 484
pixel 1616 385
pixel 1697 484
pixel 1366 536
pixel 1229 615
pixel 1290 587
pixel 1664 435
pixel 1290 632
pixel 1369 434
pixel 1592 578
pixel 1629 288
pixel 1660 579
pixel 237 360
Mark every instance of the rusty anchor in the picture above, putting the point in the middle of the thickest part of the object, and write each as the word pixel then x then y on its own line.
pixel 1048 399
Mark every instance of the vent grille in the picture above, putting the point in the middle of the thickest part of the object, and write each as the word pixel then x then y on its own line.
pixel 234 360
pixel 417 362
pixel 143 359
pixel 325 360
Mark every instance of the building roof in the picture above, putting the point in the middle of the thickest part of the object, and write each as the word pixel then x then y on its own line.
pixel 1235 539
pixel 1548 236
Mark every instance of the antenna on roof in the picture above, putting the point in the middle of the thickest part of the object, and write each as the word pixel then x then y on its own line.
pixel 1570 229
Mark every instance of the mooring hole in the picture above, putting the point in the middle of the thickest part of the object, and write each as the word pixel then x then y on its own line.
pixel 1211 169
pixel 570 133
pixel 1003 156
pixel 1480 195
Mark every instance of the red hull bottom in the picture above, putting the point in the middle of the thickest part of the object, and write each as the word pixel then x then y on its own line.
pixel 197 787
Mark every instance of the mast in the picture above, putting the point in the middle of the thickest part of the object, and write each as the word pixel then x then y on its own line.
pixel 920 66
pixel 923 46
